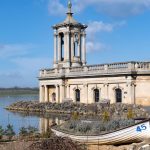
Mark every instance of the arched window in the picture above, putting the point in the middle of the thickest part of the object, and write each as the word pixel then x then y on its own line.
pixel 53 97
pixel 96 95
pixel 118 93
pixel 62 46
pixel 77 95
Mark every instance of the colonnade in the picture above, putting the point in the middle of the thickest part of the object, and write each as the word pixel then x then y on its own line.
pixel 69 47
pixel 59 90
pixel 63 92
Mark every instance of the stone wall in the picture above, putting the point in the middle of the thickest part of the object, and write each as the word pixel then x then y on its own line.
pixel 134 86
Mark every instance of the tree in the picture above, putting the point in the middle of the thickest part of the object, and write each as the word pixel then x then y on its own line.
pixel 1 132
pixel 9 131
pixel 32 130
pixel 23 131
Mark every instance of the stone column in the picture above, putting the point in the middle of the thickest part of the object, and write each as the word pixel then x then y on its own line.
pixel 84 48
pixel 65 46
pixel 62 93
pixel 57 94
pixel 72 46
pixel 68 50
pixel 68 91
pixel 55 50
pixel 59 48
pixel 41 94
pixel 46 93
pixel 86 93
pixel 131 93
pixel 105 93
pixel 79 52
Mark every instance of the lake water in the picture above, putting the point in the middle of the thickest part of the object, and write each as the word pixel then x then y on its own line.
pixel 18 120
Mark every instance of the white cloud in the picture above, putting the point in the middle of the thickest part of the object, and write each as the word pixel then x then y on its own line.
pixel 93 31
pixel 29 65
pixel 25 73
pixel 56 8
pixel 24 65
pixel 92 46
pixel 14 50
pixel 119 8
pixel 99 26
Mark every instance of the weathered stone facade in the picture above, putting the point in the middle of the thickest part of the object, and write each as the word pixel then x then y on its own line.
pixel 72 79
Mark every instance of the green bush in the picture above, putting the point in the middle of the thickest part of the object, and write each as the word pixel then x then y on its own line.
pixel 9 131
pixel 32 130
pixel 75 115
pixel 130 114
pixel 1 132
pixel 106 116
pixel 23 131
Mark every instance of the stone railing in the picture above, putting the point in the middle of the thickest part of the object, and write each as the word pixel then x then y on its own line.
pixel 123 67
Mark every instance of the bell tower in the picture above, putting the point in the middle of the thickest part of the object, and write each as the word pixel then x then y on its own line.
pixel 69 42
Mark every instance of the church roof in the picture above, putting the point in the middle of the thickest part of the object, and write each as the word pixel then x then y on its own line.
pixel 70 21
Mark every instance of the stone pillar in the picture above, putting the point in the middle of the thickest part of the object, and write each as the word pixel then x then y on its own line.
pixel 84 48
pixel 131 93
pixel 55 50
pixel 46 93
pixel 107 91
pixel 68 91
pixel 59 48
pixel 41 94
pixel 79 51
pixel 105 94
pixel 57 94
pixel 86 93
pixel 62 93
pixel 68 50
pixel 72 46
pixel 65 46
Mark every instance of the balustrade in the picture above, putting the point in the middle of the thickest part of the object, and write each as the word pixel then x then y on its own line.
pixel 102 68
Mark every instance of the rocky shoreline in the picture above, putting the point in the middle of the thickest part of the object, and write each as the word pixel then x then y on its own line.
pixel 90 111
pixel 114 111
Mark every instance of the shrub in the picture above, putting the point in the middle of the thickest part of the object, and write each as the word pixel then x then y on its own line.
pixel 23 131
pixel 106 116
pixel 1 132
pixel 83 127
pixel 9 131
pixel 130 113
pixel 75 115
pixel 32 130
pixel 46 134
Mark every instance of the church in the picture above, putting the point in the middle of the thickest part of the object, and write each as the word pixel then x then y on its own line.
pixel 72 79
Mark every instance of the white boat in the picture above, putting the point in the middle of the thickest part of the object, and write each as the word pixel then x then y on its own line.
pixel 134 133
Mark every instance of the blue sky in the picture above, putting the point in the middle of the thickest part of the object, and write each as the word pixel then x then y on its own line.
pixel 119 30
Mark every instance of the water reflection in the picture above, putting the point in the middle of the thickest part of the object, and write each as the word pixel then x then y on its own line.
pixel 45 124
pixel 42 121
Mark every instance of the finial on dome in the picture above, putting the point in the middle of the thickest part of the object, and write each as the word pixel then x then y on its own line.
pixel 69 6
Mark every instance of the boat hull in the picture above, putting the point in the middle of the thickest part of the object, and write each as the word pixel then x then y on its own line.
pixel 130 134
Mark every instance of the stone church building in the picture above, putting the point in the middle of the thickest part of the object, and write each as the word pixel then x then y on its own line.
pixel 72 79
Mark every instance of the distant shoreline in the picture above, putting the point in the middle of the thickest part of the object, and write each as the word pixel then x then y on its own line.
pixel 18 91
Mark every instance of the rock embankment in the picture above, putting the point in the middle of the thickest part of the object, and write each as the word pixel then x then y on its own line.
pixel 67 144
pixel 53 143
pixel 117 110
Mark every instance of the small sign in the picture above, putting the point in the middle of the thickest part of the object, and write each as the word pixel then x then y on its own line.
pixel 141 128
